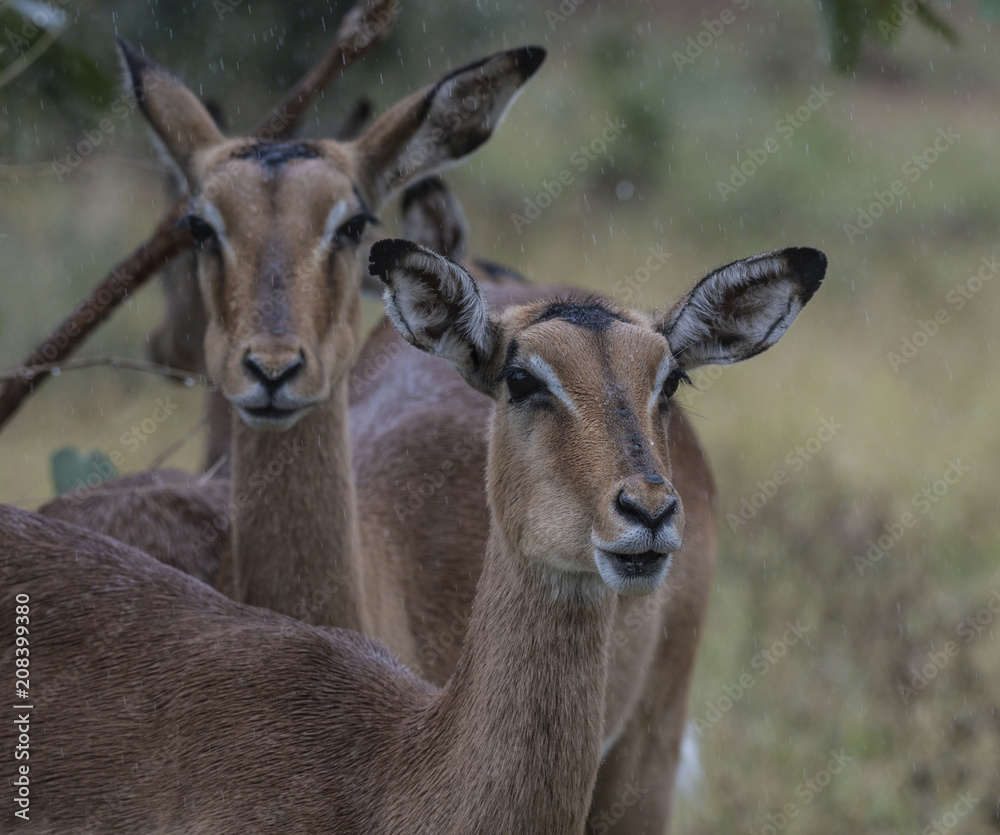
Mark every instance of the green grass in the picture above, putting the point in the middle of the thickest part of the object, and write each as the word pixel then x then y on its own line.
pixel 837 689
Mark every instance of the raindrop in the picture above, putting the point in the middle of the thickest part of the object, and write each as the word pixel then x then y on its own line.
pixel 624 190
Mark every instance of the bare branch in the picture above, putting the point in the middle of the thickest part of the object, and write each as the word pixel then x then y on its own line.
pixel 167 240
pixel 363 28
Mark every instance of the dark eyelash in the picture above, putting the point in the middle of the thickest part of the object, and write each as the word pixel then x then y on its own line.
pixel 673 381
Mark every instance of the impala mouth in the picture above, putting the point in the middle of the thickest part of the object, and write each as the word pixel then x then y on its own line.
pixel 632 574
pixel 639 565
pixel 271 416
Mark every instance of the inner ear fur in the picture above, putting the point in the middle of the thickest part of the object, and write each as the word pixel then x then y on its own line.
pixel 437 307
pixel 442 123
pixel 743 308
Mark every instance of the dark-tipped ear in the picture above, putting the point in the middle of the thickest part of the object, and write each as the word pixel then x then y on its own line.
pixel 436 306
pixel 433 216
pixel 437 126
pixel 743 308
pixel 179 119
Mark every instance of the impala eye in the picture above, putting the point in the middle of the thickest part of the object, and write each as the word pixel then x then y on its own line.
pixel 201 231
pixel 522 385
pixel 673 381
pixel 352 230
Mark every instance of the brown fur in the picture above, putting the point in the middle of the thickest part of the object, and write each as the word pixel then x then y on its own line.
pixel 173 515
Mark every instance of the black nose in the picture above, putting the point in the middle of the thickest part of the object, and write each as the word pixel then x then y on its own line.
pixel 273 377
pixel 633 509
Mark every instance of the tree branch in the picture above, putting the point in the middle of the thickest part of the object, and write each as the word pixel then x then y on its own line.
pixel 363 28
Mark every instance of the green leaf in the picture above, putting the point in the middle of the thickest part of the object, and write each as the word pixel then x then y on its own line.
pixel 73 470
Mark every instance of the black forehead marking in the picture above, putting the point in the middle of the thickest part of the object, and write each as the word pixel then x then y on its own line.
pixel 508 360
pixel 589 315
pixel 275 154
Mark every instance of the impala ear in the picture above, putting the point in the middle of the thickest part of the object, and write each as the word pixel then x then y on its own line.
pixel 179 119
pixel 742 308
pixel 437 126
pixel 436 306
pixel 433 216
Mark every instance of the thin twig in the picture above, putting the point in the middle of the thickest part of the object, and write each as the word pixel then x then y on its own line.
pixel 209 474
pixel 30 372
pixel 157 462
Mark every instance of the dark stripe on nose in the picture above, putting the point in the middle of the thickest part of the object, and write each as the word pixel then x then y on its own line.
pixel 635 445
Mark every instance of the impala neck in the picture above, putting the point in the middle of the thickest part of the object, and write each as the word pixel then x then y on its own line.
pixel 527 697
pixel 294 517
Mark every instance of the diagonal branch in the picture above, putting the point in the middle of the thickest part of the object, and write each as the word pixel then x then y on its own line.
pixel 363 28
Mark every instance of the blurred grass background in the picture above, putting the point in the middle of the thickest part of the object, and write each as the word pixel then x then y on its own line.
pixel 910 757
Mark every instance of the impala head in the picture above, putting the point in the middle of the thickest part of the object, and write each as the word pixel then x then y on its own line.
pixel 278 224
pixel 579 475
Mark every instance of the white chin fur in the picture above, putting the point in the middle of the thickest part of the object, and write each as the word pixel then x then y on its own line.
pixel 620 581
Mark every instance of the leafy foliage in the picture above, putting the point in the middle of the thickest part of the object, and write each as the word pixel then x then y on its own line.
pixel 849 22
